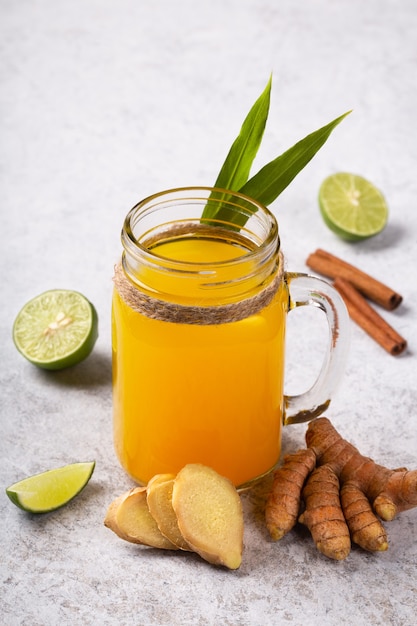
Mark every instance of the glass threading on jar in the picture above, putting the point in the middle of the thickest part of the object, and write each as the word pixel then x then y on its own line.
pixel 154 224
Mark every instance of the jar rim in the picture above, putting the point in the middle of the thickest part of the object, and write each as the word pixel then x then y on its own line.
pixel 192 195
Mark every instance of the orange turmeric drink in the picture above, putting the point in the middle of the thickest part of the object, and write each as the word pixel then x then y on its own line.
pixel 210 393
pixel 198 335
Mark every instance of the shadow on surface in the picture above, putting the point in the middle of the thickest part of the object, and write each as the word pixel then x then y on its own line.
pixel 388 238
pixel 95 371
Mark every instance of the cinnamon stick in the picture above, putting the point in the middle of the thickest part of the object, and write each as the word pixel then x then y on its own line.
pixel 331 266
pixel 368 319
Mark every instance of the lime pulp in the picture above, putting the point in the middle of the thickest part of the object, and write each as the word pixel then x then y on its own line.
pixel 56 329
pixel 52 489
pixel 352 207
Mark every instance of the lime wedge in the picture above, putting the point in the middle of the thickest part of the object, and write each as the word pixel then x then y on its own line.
pixel 56 329
pixel 352 207
pixel 50 490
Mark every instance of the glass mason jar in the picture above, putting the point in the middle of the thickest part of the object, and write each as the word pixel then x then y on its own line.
pixel 199 315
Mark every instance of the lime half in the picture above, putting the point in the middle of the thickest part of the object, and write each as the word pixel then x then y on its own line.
pixel 352 207
pixel 50 490
pixel 56 329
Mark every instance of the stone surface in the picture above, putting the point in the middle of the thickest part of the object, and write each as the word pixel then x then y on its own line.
pixel 103 103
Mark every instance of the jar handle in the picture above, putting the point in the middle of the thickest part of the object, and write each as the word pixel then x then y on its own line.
pixel 306 290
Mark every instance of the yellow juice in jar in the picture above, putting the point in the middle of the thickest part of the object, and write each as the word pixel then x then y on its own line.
pixel 186 393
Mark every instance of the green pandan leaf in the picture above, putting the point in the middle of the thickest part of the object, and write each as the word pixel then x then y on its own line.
pixel 236 168
pixel 274 177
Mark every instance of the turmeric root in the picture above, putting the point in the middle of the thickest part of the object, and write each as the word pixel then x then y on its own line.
pixel 389 491
pixel 283 505
pixel 365 528
pixel 323 514
pixel 346 491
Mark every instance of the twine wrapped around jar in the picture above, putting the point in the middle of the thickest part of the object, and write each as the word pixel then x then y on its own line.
pixel 165 311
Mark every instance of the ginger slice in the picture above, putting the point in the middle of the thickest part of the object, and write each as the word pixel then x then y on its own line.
pixel 159 498
pixel 129 517
pixel 209 513
pixel 158 478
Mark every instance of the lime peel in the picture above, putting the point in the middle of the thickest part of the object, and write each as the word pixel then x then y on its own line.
pixel 52 489
pixel 352 207
pixel 56 329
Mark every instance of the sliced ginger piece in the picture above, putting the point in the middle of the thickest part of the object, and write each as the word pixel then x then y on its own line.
pixel 129 517
pixel 209 513
pixel 159 478
pixel 159 498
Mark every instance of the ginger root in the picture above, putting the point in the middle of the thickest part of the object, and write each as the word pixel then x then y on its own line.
pixel 343 493
pixel 159 498
pixel 196 510
pixel 129 517
pixel 209 513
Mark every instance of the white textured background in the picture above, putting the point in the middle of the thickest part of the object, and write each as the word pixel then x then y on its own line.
pixel 103 102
